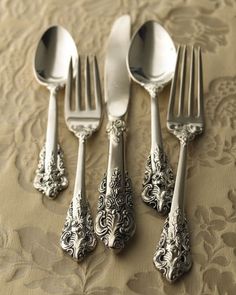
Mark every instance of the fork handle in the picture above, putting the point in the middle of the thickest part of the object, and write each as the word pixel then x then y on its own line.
pixel 115 217
pixel 179 191
pixel 78 237
pixel 50 176
pixel 173 256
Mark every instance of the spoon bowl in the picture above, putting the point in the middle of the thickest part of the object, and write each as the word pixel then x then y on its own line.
pixel 53 54
pixel 55 49
pixel 152 55
pixel 151 63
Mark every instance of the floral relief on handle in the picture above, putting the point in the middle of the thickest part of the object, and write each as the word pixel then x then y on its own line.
pixel 115 218
pixel 53 180
pixel 158 184
pixel 172 256
pixel 78 237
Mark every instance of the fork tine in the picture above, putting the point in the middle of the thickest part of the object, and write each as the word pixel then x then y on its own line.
pixel 173 86
pixel 68 90
pixel 87 84
pixel 78 86
pixel 191 84
pixel 182 82
pixel 97 85
pixel 200 84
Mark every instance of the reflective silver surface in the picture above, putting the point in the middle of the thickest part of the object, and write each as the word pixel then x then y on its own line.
pixel 54 51
pixel 53 54
pixel 115 217
pixel 78 237
pixel 151 62
pixel 173 256
pixel 152 55
pixel 117 82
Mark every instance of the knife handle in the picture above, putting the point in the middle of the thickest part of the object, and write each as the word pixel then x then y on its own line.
pixel 115 217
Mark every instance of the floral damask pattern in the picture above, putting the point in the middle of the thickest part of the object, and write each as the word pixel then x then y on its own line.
pixel 42 265
pixel 194 25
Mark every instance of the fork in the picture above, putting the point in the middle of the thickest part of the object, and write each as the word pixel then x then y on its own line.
pixel 172 256
pixel 78 236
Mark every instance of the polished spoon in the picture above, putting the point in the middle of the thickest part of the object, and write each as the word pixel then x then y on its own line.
pixel 54 51
pixel 151 63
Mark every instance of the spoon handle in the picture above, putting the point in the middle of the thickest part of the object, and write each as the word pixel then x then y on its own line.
pixel 172 256
pixel 50 176
pixel 158 183
pixel 78 237
pixel 115 217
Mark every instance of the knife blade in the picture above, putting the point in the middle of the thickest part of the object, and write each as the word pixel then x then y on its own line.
pixel 117 80
pixel 114 222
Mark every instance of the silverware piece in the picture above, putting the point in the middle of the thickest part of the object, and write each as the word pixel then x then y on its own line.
pixel 53 54
pixel 172 256
pixel 151 63
pixel 78 237
pixel 115 217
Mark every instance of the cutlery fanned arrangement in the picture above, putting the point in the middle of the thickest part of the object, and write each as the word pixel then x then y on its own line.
pixel 150 59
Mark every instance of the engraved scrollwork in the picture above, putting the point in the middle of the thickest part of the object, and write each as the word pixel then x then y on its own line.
pixel 115 217
pixel 158 184
pixel 78 237
pixel 115 129
pixel 153 89
pixel 53 180
pixel 81 132
pixel 172 256
pixel 185 132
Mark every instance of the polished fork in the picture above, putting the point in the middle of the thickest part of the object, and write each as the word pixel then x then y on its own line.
pixel 173 256
pixel 78 237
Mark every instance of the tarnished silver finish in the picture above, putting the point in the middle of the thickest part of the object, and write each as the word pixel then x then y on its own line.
pixel 172 256
pixel 115 218
pixel 53 180
pixel 151 60
pixel 53 54
pixel 78 237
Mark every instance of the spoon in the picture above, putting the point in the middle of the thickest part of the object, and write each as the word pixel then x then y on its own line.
pixel 54 51
pixel 151 63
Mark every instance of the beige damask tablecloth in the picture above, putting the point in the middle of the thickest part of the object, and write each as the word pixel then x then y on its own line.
pixel 31 261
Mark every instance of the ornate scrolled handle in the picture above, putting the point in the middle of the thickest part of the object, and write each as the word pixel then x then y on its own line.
pixel 173 256
pixel 50 176
pixel 78 237
pixel 158 183
pixel 115 217
pixel 52 180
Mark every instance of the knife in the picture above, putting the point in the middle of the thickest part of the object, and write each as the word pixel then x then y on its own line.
pixel 114 222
